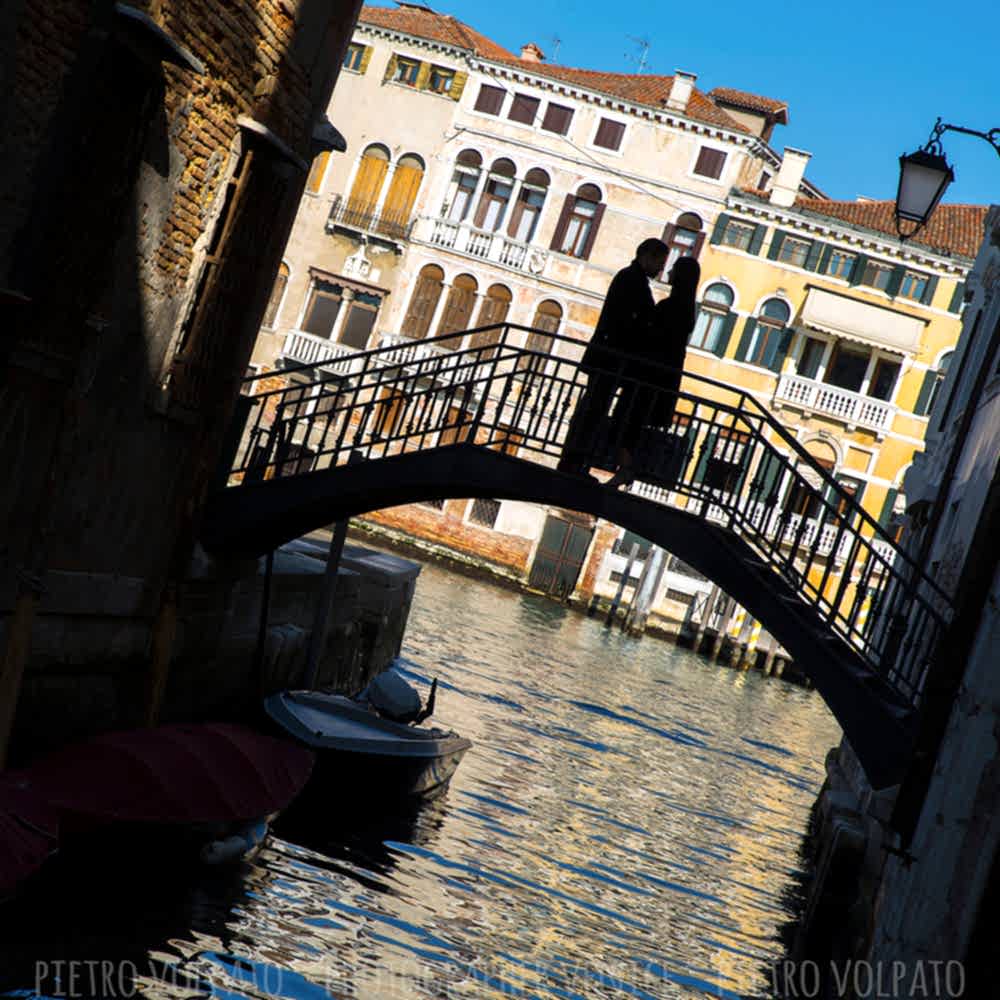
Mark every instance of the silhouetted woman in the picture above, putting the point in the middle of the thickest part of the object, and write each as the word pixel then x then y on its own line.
pixel 664 344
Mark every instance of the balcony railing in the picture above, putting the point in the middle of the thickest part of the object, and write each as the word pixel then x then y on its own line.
pixel 308 349
pixel 363 216
pixel 842 404
pixel 486 245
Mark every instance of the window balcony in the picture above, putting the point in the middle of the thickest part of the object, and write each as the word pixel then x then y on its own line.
pixel 484 244
pixel 363 217
pixel 851 408
pixel 308 349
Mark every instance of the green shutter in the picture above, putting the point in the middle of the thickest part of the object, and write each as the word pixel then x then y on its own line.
pixel 727 331
pixel 957 298
pixel 776 357
pixel 928 297
pixel 857 272
pixel 708 446
pixel 824 261
pixel 922 404
pixel 744 345
pixel 720 226
pixel 776 241
pixel 895 280
pixel 890 500
pixel 766 477
pixel 815 251
pixel 757 239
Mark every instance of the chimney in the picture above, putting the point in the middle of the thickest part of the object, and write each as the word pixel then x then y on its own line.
pixel 532 53
pixel 680 90
pixel 785 187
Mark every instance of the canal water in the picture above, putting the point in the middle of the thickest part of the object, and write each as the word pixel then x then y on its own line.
pixel 627 824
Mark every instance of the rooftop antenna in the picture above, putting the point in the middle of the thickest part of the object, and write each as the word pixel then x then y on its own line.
pixel 642 58
pixel 556 42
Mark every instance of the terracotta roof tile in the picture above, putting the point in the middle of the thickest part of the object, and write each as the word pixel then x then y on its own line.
pixel 638 88
pixel 429 24
pixel 752 102
pixel 954 229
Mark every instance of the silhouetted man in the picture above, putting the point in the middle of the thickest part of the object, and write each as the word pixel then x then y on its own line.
pixel 627 311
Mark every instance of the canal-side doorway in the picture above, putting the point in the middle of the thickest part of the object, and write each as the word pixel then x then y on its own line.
pixel 560 555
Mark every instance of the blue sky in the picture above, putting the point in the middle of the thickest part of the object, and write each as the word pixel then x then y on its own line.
pixel 863 83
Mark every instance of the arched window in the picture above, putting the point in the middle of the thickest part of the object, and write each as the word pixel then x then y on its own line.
pixel 714 325
pixel 277 294
pixel 528 207
pixel 931 386
pixel 494 310
pixel 458 309
pixel 398 207
pixel 314 184
pixel 367 185
pixel 548 317
pixel 766 337
pixel 578 224
pixel 468 167
pixel 684 238
pixel 423 302
pixel 496 195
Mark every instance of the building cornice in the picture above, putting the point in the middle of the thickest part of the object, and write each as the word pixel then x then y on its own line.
pixel 858 237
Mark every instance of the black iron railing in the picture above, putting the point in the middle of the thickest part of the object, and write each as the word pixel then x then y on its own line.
pixel 363 216
pixel 723 458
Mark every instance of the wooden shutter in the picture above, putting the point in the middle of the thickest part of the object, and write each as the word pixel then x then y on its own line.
pixel 458 86
pixel 402 193
pixel 317 170
pixel 928 297
pixel 824 261
pixel 777 356
pixel 816 251
pixel 609 134
pixel 776 241
pixel 757 239
pixel 595 224
pixel 515 216
pixel 699 242
pixel 557 118
pixel 858 271
pixel 523 109
pixel 724 335
pixel 895 281
pixel 887 508
pixel 484 201
pixel 920 408
pixel 422 306
pixel 957 297
pixel 744 345
pixel 423 76
pixel 366 58
pixel 390 69
pixel 458 310
pixel 489 100
pixel 720 227
pixel 368 183
pixel 710 162
pixel 560 233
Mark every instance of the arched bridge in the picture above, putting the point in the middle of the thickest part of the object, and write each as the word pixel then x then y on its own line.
pixel 726 487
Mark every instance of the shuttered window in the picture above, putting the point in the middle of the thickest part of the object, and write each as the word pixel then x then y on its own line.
pixel 493 311
pixel 523 109
pixel 457 314
pixel 557 119
pixel 609 134
pixel 710 162
pixel 489 100
pixel 354 57
pixel 579 222
pixel 360 320
pixel 368 182
pixel 277 293
pixel 423 302
pixel 403 190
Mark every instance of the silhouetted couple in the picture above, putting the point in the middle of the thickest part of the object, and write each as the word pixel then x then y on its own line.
pixel 635 339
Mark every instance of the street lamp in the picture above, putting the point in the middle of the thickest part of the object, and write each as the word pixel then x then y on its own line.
pixel 925 175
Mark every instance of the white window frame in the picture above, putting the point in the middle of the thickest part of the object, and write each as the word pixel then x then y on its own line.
pixel 726 167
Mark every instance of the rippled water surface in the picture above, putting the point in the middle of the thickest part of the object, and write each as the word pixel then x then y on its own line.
pixel 626 825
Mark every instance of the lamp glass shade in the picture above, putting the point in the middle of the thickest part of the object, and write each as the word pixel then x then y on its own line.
pixel 923 178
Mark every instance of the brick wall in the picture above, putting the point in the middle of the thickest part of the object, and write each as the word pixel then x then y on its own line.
pixel 447 530
pixel 604 538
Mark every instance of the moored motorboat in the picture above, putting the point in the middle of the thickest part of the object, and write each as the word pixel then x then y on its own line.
pixel 376 759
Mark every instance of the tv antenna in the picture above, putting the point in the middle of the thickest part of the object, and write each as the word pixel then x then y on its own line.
pixel 556 42
pixel 643 57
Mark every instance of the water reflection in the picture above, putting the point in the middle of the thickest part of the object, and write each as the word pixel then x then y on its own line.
pixel 625 825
